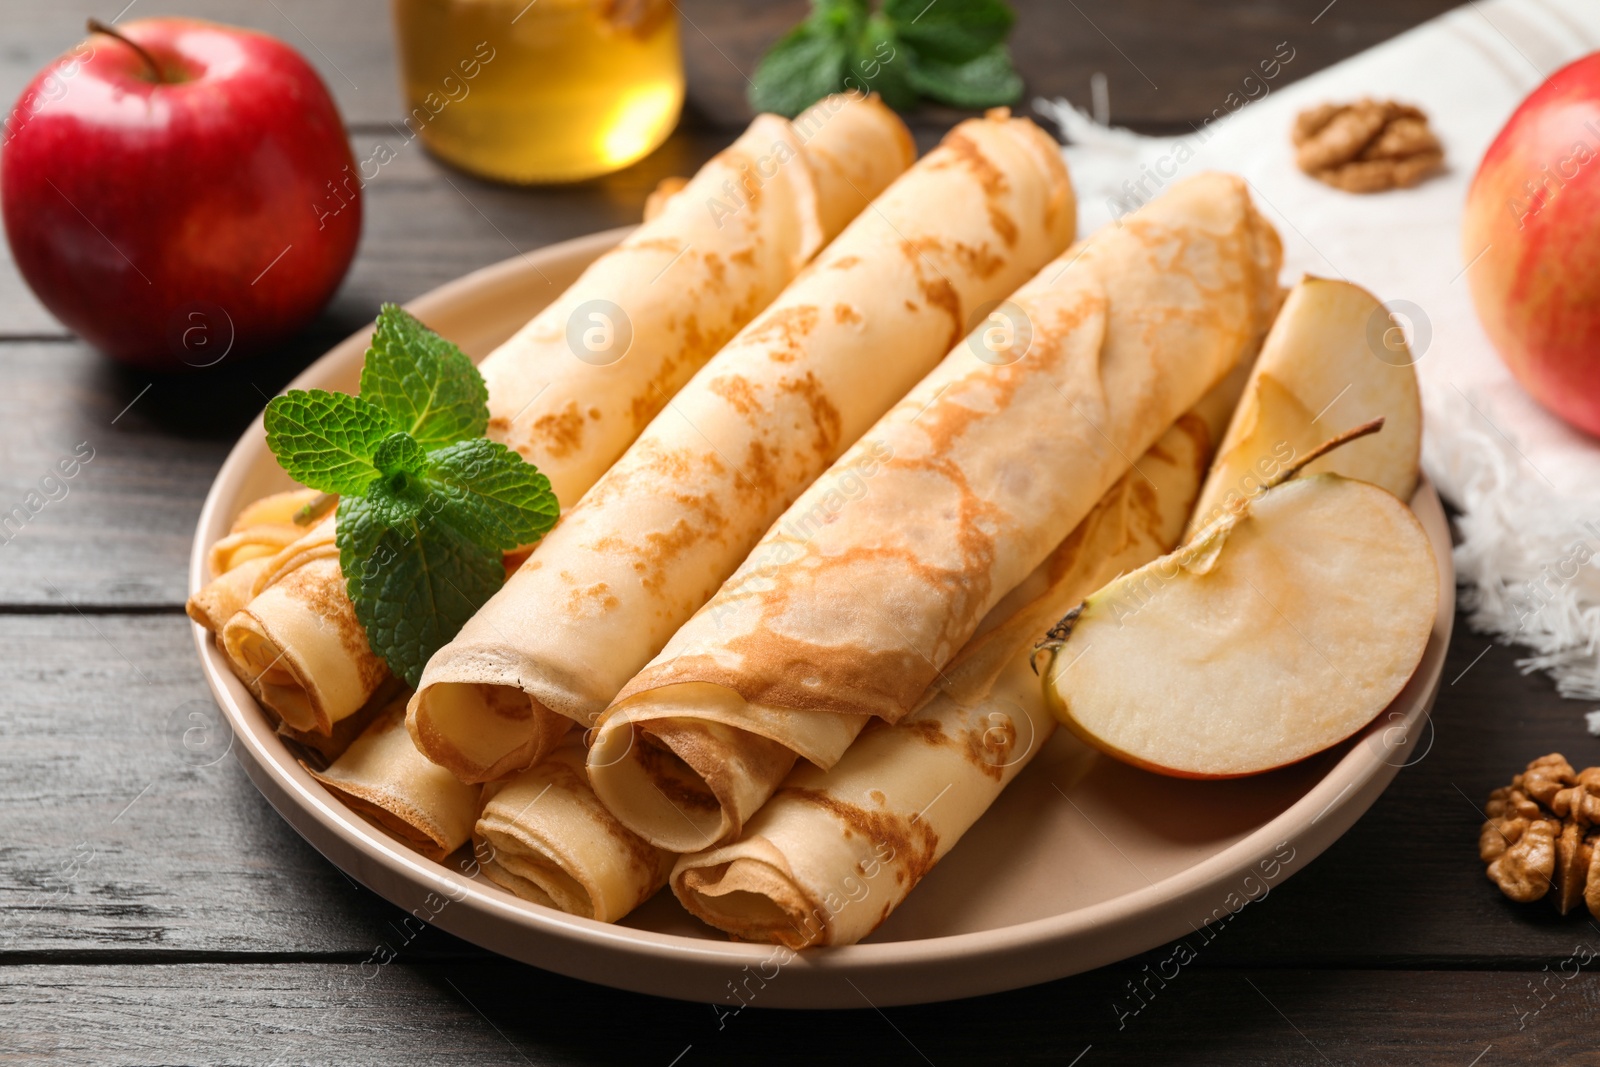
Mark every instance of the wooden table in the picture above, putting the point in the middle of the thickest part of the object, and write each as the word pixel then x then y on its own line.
pixel 157 911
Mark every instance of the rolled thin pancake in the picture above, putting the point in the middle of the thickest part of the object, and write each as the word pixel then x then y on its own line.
pixel 214 603
pixel 836 851
pixel 573 388
pixel 673 518
pixel 260 530
pixel 551 841
pixel 298 642
pixel 384 777
pixel 732 238
pixel 857 598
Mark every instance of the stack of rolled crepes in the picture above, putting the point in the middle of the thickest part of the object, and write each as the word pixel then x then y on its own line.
pixel 851 610
pixel 721 246
pixel 713 254
pixel 835 851
pixel 665 526
pixel 798 608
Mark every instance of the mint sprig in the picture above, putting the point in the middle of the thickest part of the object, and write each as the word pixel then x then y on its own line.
pixel 951 51
pixel 426 503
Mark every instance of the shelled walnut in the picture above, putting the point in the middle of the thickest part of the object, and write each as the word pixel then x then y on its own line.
pixel 1542 832
pixel 1367 146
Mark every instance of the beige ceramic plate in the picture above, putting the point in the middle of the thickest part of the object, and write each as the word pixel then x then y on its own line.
pixel 1084 861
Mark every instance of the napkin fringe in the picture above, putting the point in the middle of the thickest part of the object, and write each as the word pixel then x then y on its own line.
pixel 1528 560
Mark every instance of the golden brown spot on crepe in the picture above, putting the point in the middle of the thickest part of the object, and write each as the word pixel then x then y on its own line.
pixel 878 797
pixel 1003 224
pixel 594 413
pixel 824 416
pixel 760 470
pixel 498 425
pixel 717 270
pixel 599 593
pixel 659 549
pixel 737 391
pixel 913 842
pixel 910 305
pixel 957 149
pixel 784 331
pixel 561 431
pixel 745 257
pixel 989 744
pixel 927 731
pixel 844 313
pixel 843 262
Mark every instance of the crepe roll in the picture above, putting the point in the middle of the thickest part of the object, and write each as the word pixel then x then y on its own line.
pixel 657 535
pixel 836 851
pixel 261 529
pixel 214 603
pixel 854 602
pixel 548 839
pixel 575 385
pixel 384 777
pixel 298 641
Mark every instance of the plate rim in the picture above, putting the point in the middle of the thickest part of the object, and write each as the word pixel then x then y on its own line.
pixel 686 968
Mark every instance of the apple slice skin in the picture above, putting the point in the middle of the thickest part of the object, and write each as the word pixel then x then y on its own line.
pixel 1275 634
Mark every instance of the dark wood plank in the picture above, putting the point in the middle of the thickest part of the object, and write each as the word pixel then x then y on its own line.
pixel 200 863
pixel 117 837
pixel 492 1012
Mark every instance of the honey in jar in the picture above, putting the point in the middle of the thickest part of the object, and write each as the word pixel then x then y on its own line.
pixel 541 91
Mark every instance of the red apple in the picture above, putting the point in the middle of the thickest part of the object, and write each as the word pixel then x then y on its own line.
pixel 1533 216
pixel 179 191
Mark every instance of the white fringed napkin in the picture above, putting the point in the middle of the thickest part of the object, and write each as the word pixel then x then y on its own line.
pixel 1528 487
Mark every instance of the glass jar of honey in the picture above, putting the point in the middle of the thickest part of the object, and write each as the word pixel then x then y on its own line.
pixel 540 91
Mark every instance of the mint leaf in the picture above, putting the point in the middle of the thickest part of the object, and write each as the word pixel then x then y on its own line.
pixel 325 441
pixel 987 81
pixel 950 31
pixel 393 500
pixel 878 64
pixel 426 503
pixel 414 585
pixel 399 453
pixel 426 383
pixel 492 494
pixel 804 66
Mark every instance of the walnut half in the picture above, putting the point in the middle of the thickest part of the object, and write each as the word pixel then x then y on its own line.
pixel 1367 146
pixel 1541 833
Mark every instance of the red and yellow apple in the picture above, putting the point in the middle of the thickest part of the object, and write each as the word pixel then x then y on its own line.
pixel 174 189
pixel 1531 235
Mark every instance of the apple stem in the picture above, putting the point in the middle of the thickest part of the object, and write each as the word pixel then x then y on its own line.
pixel 1056 636
pixel 96 26
pixel 1366 429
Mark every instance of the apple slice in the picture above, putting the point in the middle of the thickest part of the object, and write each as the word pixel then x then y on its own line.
pixel 1282 628
pixel 1332 359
